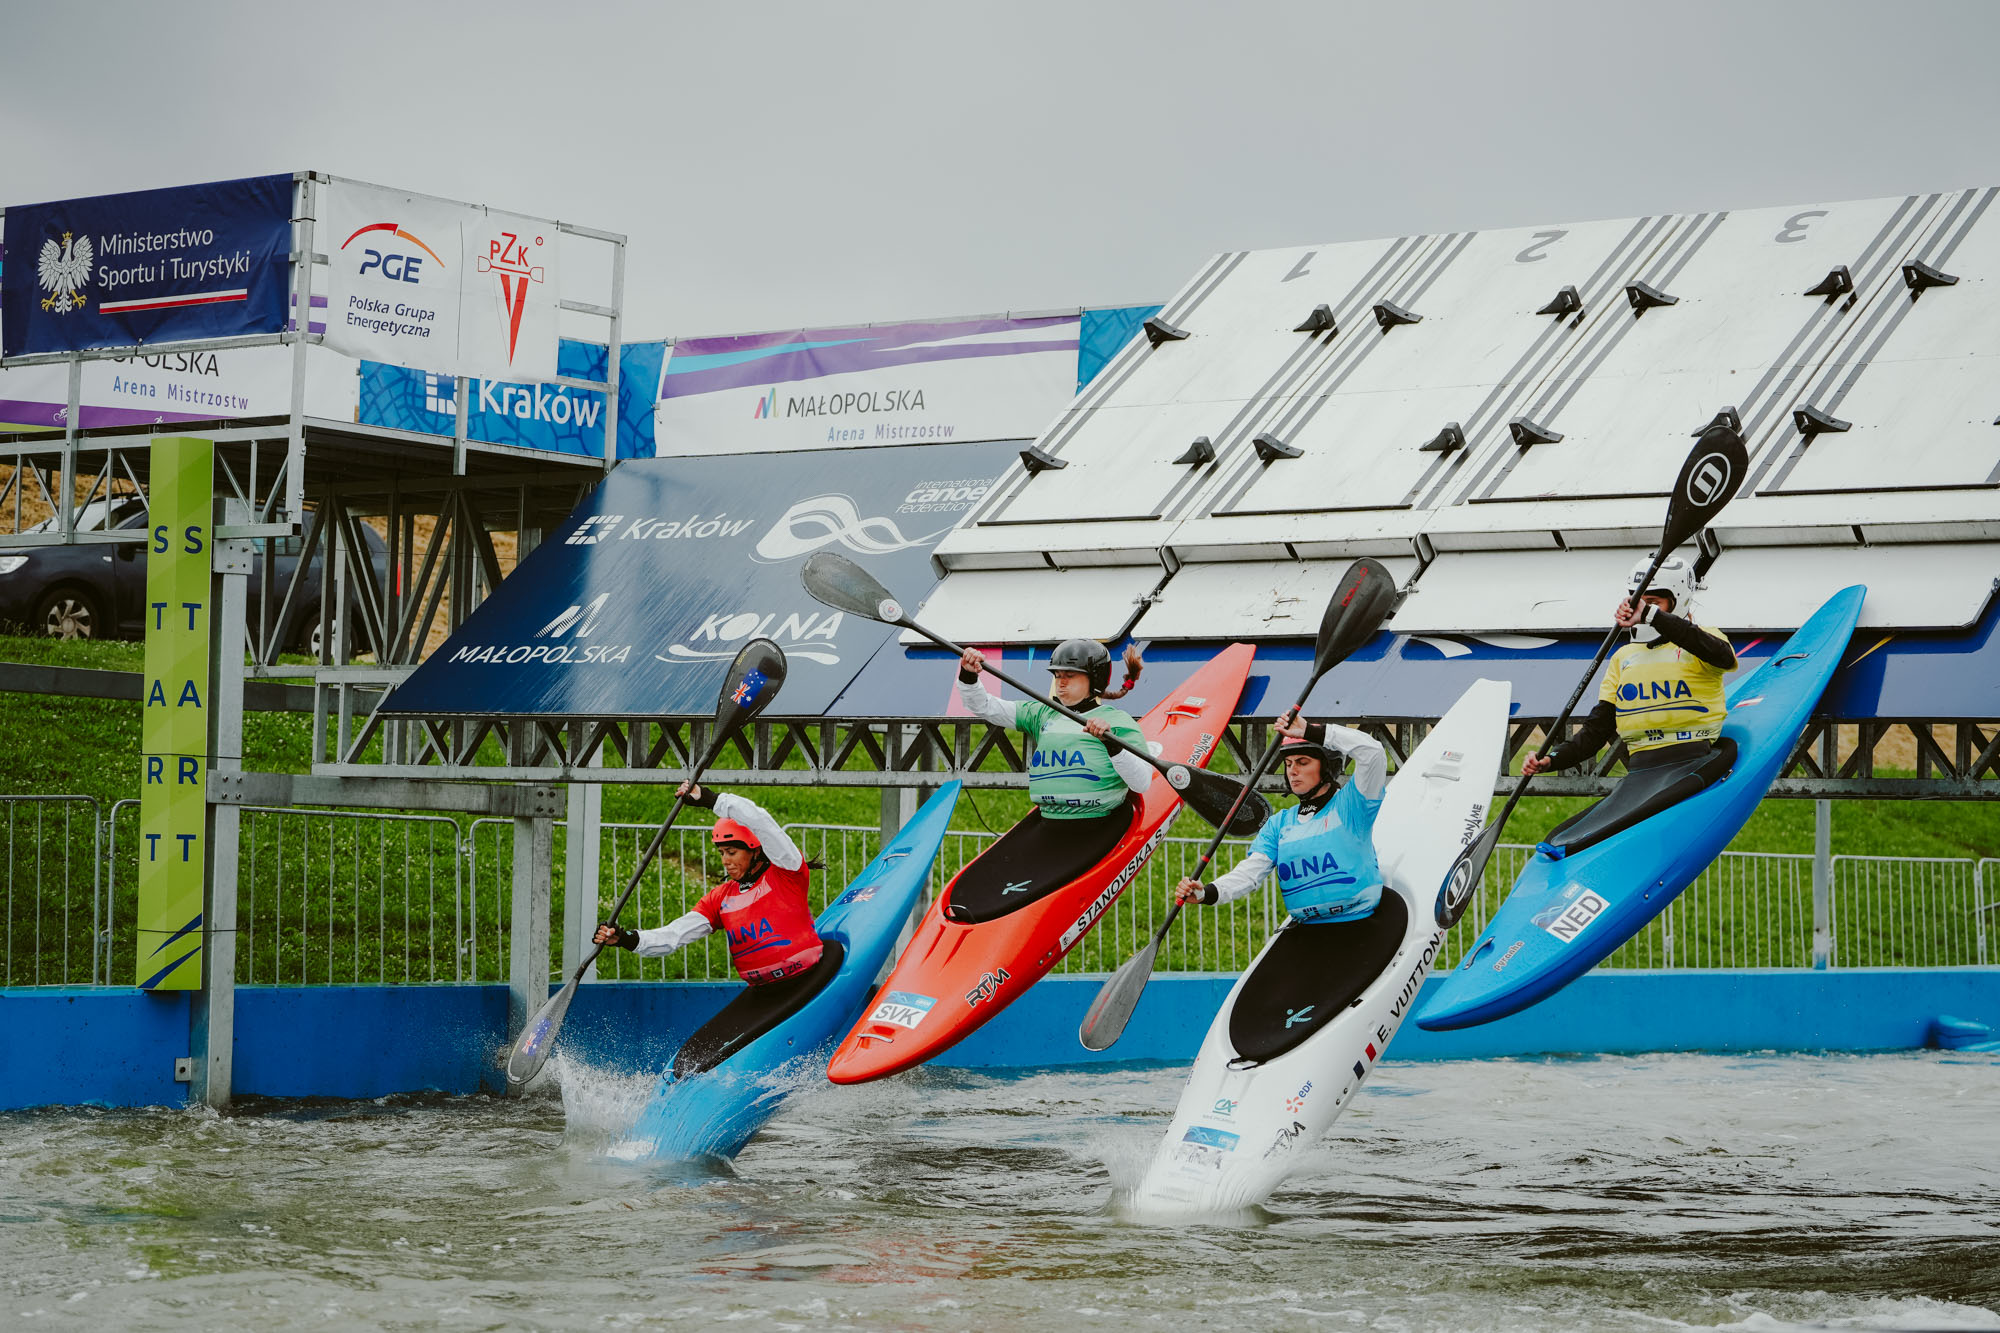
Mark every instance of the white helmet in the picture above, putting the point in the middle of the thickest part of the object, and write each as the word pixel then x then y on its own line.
pixel 1675 578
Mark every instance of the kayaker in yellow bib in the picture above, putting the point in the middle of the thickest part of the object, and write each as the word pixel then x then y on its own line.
pixel 1662 693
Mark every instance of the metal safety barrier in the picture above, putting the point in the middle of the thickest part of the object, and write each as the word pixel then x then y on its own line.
pixel 1892 911
pixel 55 928
pixel 341 897
pixel 336 897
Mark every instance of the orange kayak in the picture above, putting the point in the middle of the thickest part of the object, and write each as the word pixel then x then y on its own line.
pixel 1014 911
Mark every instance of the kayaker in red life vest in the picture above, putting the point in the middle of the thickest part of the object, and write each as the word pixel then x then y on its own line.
pixel 764 905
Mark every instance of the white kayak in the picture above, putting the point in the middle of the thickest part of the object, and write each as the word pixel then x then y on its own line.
pixel 1303 1027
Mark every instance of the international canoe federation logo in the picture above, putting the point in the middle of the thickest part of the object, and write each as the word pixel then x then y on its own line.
pixel 513 259
pixel 63 271
pixel 826 519
pixel 749 688
pixel 1709 479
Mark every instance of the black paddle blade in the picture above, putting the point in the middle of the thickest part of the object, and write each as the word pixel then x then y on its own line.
pixel 754 679
pixel 1211 795
pixel 1361 601
pixel 846 586
pixel 1710 478
pixel 1462 881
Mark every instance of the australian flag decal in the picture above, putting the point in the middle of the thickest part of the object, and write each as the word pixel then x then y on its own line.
pixel 749 688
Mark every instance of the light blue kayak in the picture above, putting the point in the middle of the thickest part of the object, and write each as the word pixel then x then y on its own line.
pixel 735 1072
pixel 1601 877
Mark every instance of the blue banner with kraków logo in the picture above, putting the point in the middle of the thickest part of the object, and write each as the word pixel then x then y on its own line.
pixel 637 604
pixel 555 418
pixel 153 266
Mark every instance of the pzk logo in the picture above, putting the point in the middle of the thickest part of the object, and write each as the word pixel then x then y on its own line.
pixel 509 256
pixel 392 264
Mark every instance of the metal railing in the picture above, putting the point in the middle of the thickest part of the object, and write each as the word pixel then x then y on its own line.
pixel 54 934
pixel 339 897
pixel 333 897
pixel 1986 892
pixel 1891 911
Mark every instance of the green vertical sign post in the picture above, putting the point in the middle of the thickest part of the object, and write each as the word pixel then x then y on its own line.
pixel 174 728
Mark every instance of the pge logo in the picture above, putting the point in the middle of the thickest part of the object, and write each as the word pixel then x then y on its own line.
pixel 593 530
pixel 395 265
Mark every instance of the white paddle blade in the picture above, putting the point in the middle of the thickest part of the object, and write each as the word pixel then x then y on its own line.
pixel 1112 1009
pixel 538 1040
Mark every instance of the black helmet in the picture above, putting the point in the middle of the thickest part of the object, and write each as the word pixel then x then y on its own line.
pixel 1332 760
pixel 1089 656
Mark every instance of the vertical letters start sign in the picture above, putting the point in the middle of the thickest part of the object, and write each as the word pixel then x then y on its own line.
pixel 174 734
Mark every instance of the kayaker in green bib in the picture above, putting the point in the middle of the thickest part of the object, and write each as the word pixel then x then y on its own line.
pixel 1071 774
pixel 1085 795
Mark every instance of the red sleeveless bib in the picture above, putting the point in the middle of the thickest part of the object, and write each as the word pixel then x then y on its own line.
pixel 769 924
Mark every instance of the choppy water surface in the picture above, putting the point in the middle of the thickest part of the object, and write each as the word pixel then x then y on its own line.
pixel 1614 1193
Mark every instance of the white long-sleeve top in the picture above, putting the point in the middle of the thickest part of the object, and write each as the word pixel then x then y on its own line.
pixel 1135 772
pixel 1371 779
pixel 779 850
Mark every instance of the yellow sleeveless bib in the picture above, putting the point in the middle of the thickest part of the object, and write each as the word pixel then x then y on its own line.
pixel 1664 695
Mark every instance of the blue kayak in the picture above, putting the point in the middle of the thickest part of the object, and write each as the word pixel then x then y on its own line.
pixel 1603 875
pixel 734 1073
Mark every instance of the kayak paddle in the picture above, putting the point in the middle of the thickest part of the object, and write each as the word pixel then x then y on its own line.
pixel 1362 600
pixel 753 681
pixel 1709 479
pixel 846 586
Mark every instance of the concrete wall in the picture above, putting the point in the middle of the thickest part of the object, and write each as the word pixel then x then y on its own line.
pixel 112 1047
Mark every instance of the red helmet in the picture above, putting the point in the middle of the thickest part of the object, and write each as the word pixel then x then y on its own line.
pixel 728 830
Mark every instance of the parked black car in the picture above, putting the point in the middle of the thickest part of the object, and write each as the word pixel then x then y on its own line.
pixel 99 591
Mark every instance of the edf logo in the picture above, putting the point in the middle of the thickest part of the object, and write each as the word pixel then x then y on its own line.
pixel 393 265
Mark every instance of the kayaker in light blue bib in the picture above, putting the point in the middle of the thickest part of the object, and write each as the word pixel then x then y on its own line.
pixel 1323 848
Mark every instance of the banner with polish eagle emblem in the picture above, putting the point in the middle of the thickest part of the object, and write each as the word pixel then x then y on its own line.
pixel 428 284
pixel 147 268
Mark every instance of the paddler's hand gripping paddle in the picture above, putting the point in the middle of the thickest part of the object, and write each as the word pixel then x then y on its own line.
pixel 753 681
pixel 1708 481
pixel 846 586
pixel 1362 600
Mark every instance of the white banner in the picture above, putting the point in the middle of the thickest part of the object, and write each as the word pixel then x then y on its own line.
pixel 432 285
pixel 931 382
pixel 161 388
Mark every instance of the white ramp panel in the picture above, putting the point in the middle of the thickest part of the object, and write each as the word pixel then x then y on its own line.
pixel 1242 350
pixel 1377 439
pixel 1037 605
pixel 1758 588
pixel 1739 331
pixel 1919 413
pixel 1252 599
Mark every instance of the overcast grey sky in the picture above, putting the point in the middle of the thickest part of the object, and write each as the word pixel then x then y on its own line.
pixel 794 164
